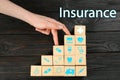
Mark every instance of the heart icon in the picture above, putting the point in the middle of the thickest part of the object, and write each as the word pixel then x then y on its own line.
pixel 69 59
pixel 80 39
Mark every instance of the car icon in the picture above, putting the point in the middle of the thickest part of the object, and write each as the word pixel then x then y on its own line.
pixel 70 72
pixel 69 39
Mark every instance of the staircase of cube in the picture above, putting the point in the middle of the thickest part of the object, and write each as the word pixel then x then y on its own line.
pixel 68 59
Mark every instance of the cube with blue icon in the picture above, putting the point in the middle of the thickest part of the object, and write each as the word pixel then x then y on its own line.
pixel 70 71
pixel 58 70
pixel 80 40
pixel 58 50
pixel 46 60
pixel 35 70
pixel 80 30
pixel 47 70
pixel 80 60
pixel 80 50
pixel 81 71
pixel 69 40
pixel 70 59
pixel 58 60
pixel 69 50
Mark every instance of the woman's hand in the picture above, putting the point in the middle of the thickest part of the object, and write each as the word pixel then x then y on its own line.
pixel 42 24
pixel 46 25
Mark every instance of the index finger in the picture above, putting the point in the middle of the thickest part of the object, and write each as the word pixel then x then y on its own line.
pixel 66 30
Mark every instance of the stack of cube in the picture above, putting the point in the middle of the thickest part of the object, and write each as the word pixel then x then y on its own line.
pixel 68 59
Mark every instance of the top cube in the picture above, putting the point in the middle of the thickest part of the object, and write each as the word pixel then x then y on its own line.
pixel 80 30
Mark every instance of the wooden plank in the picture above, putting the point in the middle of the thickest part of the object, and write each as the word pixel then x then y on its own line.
pixel 25 76
pixel 97 61
pixel 25 44
pixel 100 66
pixel 15 26
pixel 103 42
pixel 18 45
pixel 40 6
pixel 18 64
pixel 21 46
pixel 53 5
pixel 10 25
pixel 94 4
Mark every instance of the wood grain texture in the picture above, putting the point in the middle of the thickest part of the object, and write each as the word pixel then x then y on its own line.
pixel 94 4
pixel 53 5
pixel 40 6
pixel 21 46
pixel 18 45
pixel 100 66
pixel 91 24
pixel 22 27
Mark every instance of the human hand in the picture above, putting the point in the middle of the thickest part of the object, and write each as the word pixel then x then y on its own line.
pixel 41 23
pixel 46 25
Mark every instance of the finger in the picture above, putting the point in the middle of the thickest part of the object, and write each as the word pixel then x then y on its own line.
pixel 50 19
pixel 52 25
pixel 53 20
pixel 60 25
pixel 44 31
pixel 66 30
pixel 57 24
pixel 55 36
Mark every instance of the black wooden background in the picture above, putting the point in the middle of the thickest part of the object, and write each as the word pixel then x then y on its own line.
pixel 21 46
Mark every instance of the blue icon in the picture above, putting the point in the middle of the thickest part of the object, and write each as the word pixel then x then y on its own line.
pixel 69 40
pixel 81 60
pixel 69 59
pixel 81 70
pixel 80 50
pixel 69 49
pixel 47 71
pixel 58 50
pixel 70 72
pixel 46 60
pixel 80 39
pixel 36 71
